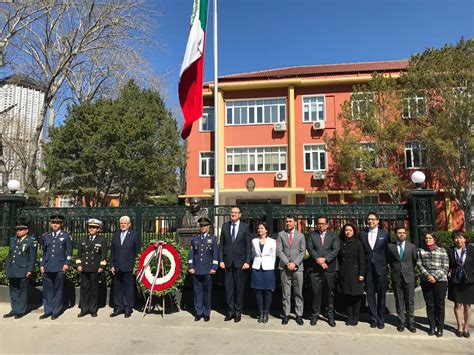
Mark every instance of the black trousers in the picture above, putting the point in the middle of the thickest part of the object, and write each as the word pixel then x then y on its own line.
pixel 352 304
pixel 124 291
pixel 264 300
pixel 202 294
pixel 89 292
pixel 376 290
pixel 322 284
pixel 434 295
pixel 404 300
pixel 53 286
pixel 18 294
pixel 234 289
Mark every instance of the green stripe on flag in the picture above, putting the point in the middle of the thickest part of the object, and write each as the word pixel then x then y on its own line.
pixel 203 14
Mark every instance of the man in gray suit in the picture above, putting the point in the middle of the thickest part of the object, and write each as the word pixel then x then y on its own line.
pixel 401 257
pixel 323 248
pixel 291 247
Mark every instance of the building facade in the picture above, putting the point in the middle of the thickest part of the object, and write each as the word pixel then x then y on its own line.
pixel 21 102
pixel 271 127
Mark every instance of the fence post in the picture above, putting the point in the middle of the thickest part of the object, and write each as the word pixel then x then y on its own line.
pixel 421 213
pixel 139 220
pixel 269 216
pixel 9 203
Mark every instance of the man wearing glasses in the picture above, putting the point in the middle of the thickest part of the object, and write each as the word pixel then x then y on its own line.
pixel 375 240
pixel 54 262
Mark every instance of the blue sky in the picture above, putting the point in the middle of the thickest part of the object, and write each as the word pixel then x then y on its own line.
pixel 264 34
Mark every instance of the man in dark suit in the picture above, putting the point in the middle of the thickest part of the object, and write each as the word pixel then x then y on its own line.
pixel 57 255
pixel 401 257
pixel 375 241
pixel 235 252
pixel 91 262
pixel 323 247
pixel 21 260
pixel 126 245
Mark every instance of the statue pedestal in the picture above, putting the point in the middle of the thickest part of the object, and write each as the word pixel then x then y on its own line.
pixel 185 235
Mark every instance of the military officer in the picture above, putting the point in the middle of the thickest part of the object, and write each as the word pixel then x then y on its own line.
pixel 203 263
pixel 55 260
pixel 20 263
pixel 91 255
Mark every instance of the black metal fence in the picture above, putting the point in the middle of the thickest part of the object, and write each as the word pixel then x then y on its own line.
pixel 159 221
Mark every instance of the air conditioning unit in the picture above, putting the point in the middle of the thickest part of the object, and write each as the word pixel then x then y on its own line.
pixel 319 175
pixel 319 125
pixel 281 176
pixel 279 127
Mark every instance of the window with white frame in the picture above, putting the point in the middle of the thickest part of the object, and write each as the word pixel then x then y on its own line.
pixel 316 200
pixel 368 156
pixel 262 111
pixel 415 155
pixel 413 106
pixel 256 159
pixel 206 164
pixel 207 119
pixel 368 200
pixel 313 108
pixel 315 157
pixel 362 104
pixel 66 201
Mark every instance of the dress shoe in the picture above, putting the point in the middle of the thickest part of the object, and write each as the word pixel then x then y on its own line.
pixel 313 321
pixel 354 322
pixel 115 314
pixel 299 320
pixel 197 318
pixel 459 333
pixel 381 326
pixel 373 324
pixel 228 317
pixel 9 315
pixel 260 318
pixel 431 332
pixel 54 316
pixel 400 328
pixel 331 322
pixel 18 316
pixel 82 314
pixel 94 314
pixel 237 318
pixel 466 334
pixel 265 317
pixel 439 333
pixel 44 316
pixel 411 328
pixel 127 314
pixel 207 318
pixel 284 320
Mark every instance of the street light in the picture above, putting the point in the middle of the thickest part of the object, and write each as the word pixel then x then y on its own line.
pixel 13 186
pixel 418 178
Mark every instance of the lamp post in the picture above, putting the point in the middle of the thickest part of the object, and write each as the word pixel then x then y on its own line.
pixel 421 208
pixel 9 203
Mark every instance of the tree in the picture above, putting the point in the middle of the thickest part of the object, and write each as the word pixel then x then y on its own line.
pixel 368 154
pixel 444 77
pixel 76 49
pixel 128 145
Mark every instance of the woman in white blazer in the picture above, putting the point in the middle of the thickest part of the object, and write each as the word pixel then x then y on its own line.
pixel 263 270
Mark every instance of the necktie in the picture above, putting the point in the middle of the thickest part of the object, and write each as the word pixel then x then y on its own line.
pixel 90 238
pixel 322 238
pixel 372 238
pixel 401 251
pixel 233 232
pixel 291 238
pixel 122 238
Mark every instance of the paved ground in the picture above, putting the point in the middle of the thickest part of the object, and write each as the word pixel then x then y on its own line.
pixel 178 334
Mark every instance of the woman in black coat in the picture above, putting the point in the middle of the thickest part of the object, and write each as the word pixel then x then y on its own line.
pixel 351 272
pixel 461 281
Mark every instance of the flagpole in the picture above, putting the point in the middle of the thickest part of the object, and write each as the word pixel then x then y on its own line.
pixel 216 118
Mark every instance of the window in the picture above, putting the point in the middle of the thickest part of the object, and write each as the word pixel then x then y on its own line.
pixel 313 108
pixel 316 200
pixel 206 164
pixel 207 119
pixel 368 200
pixel 244 112
pixel 315 157
pixel 66 201
pixel 256 159
pixel 413 106
pixel 367 158
pixel 415 155
pixel 362 105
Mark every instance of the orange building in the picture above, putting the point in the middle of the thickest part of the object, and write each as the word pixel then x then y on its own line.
pixel 271 126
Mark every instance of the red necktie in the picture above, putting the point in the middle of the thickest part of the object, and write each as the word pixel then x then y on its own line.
pixel 322 238
pixel 291 238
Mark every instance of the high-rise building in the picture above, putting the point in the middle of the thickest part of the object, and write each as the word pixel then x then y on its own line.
pixel 21 102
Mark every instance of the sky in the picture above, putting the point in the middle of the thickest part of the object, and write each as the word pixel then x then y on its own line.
pixel 264 34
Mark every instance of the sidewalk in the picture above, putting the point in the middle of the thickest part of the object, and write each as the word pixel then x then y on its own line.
pixel 177 333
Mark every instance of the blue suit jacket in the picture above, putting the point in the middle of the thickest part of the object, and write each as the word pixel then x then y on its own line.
pixel 377 256
pixel 57 251
pixel 122 257
pixel 235 253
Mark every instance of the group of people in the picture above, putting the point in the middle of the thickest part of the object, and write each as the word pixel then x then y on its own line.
pixel 56 258
pixel 351 264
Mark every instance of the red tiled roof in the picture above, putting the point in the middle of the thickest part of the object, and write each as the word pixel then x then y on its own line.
pixel 319 70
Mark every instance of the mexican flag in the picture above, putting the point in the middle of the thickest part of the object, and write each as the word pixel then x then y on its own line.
pixel 191 75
